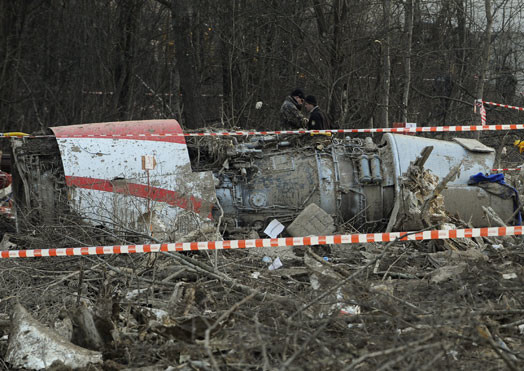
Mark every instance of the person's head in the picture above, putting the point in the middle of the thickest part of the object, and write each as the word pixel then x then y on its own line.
pixel 298 96
pixel 310 102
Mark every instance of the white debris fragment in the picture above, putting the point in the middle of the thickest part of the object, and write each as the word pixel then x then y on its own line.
pixel 274 228
pixel 255 275
pixel 454 354
pixel 275 265
pixel 160 314
pixel 130 295
pixel 344 308
pixel 34 346
pixel 385 287
pixel 509 276
pixel 313 280
pixel 259 105
pixel 350 310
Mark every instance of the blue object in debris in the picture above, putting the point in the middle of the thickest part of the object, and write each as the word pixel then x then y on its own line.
pixel 494 178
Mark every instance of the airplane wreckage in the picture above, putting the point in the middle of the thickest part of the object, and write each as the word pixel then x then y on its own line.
pixel 145 175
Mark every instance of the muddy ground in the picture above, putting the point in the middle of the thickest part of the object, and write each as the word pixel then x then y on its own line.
pixel 377 306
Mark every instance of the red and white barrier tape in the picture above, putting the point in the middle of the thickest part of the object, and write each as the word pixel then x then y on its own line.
pixel 268 242
pixel 507 169
pixel 479 104
pixel 421 129
pixel 504 105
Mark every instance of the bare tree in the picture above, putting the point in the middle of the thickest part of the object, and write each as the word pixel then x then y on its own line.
pixel 408 34
pixel 340 15
pixel 386 67
pixel 486 49
pixel 182 11
pixel 96 60
pixel 128 18
pixel 14 25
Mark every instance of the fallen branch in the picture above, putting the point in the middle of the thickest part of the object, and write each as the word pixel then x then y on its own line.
pixel 209 271
pixel 220 319
pixel 492 215
pixel 411 346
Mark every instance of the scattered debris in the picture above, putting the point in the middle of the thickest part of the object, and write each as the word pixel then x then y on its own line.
pixel 447 272
pixel 274 228
pixel 312 221
pixel 346 309
pixel 275 264
pixel 509 276
pixel 396 305
pixel 34 346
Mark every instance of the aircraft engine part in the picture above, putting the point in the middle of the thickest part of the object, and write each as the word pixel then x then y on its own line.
pixel 242 183
pixel 355 181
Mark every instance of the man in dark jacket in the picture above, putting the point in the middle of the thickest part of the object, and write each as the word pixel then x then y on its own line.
pixel 291 116
pixel 318 120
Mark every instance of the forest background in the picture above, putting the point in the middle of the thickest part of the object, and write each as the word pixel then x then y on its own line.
pixel 206 63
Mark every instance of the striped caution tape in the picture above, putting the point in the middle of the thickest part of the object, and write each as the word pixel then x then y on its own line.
pixel 423 129
pixel 479 104
pixel 420 129
pixel 504 106
pixel 506 169
pixel 268 242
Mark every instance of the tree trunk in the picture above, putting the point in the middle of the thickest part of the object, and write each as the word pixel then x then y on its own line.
pixel 486 50
pixel 124 64
pixel 337 59
pixel 181 13
pixel 13 19
pixel 386 67
pixel 408 32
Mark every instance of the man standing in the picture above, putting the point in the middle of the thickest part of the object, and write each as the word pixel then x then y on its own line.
pixel 317 119
pixel 290 115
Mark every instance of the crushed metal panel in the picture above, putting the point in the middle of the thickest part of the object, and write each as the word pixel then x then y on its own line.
pixel 116 175
pixel 473 145
pixel 312 221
